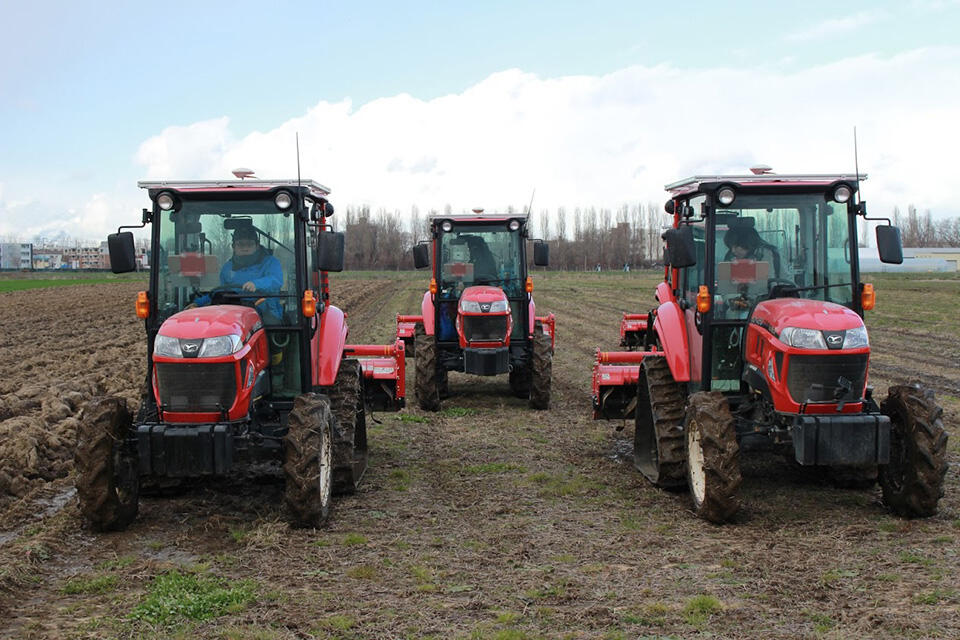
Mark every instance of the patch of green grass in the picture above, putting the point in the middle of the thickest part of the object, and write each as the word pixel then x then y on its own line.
pixel 247 633
pixel 889 526
pixel 89 584
pixel 399 479
pixel 174 595
pixel 493 467
pixel 339 622
pixel 409 417
pixel 552 591
pixel 935 596
pixel 362 572
pixel 458 412
pixel 630 522
pixel 507 617
pixel 508 634
pixel 913 557
pixel 888 577
pixel 943 540
pixel 155 545
pixel 727 563
pixel 835 575
pixel 699 609
pixel 652 615
pixel 120 562
pixel 557 486
pixel 238 535
pixel 353 539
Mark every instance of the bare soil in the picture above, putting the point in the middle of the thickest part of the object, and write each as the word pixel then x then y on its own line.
pixel 484 520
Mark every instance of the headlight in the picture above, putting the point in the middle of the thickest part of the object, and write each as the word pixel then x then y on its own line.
pixel 856 338
pixel 469 306
pixel 513 225
pixel 165 201
pixel 499 306
pixel 167 346
pixel 283 200
pixel 219 346
pixel 803 338
pixel 725 196
pixel 842 193
pixel 447 226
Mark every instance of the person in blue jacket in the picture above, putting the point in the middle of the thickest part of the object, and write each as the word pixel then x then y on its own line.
pixel 252 269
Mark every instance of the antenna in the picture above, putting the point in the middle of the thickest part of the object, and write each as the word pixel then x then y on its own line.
pixel 530 206
pixel 856 163
pixel 298 159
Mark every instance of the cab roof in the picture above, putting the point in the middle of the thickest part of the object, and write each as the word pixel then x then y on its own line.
pixel 693 183
pixel 315 189
pixel 495 217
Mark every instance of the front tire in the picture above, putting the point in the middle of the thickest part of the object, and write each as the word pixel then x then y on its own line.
pixel 912 482
pixel 308 460
pixel 713 457
pixel 108 486
pixel 658 443
pixel 349 429
pixel 426 378
pixel 541 369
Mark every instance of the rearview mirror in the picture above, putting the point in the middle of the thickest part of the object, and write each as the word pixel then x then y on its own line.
pixel 330 251
pixel 421 255
pixel 889 244
pixel 123 255
pixel 541 254
pixel 681 251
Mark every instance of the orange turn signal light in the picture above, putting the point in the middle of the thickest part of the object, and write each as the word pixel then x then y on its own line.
pixel 529 285
pixel 309 304
pixel 433 286
pixel 868 298
pixel 703 299
pixel 143 305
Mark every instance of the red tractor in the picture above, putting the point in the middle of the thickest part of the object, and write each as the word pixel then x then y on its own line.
pixel 758 342
pixel 247 359
pixel 479 316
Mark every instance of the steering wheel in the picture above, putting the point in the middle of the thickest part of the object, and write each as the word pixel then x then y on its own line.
pixel 232 294
pixel 782 288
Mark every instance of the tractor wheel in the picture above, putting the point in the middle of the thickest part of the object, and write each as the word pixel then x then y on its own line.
pixel 912 482
pixel 658 446
pixel 108 486
pixel 349 428
pixel 308 460
pixel 426 376
pixel 713 457
pixel 410 344
pixel 541 369
pixel 520 382
pixel 853 477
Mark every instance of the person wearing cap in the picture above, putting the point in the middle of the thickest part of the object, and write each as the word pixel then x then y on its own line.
pixel 252 269
pixel 744 243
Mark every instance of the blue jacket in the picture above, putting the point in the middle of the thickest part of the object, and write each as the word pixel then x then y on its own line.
pixel 266 276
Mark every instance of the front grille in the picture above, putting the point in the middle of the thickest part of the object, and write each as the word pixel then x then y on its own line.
pixel 816 378
pixel 485 328
pixel 196 386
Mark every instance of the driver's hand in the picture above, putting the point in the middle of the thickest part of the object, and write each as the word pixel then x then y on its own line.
pixel 249 286
pixel 192 305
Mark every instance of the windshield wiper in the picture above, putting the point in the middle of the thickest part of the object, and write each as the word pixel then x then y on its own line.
pixel 782 288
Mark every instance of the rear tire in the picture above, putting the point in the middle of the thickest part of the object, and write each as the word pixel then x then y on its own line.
pixel 308 460
pixel 713 457
pixel 108 485
pixel 912 482
pixel 349 428
pixel 426 377
pixel 541 369
pixel 658 442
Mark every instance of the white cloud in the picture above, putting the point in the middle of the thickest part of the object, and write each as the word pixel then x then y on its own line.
pixel 835 26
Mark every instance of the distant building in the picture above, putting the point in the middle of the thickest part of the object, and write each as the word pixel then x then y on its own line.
pixel 87 257
pixel 915 259
pixel 47 258
pixel 16 255
pixel 950 254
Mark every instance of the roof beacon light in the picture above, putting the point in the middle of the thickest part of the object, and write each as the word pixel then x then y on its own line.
pixel 726 196
pixel 842 193
pixel 761 169
pixel 477 211
pixel 243 173
pixel 165 201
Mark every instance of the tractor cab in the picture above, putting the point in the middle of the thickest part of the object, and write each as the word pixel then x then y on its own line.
pixel 758 342
pixel 479 316
pixel 247 357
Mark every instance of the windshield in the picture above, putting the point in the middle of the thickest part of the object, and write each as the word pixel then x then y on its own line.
pixel 798 244
pixel 481 254
pixel 227 252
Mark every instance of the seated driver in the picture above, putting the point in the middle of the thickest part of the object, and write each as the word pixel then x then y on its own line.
pixel 744 243
pixel 484 264
pixel 252 269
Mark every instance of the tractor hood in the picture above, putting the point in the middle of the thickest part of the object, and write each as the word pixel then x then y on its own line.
pixel 215 320
pixel 483 295
pixel 779 313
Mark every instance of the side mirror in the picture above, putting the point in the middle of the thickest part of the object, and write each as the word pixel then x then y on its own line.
pixel 889 244
pixel 123 255
pixel 681 251
pixel 669 207
pixel 421 255
pixel 330 251
pixel 541 254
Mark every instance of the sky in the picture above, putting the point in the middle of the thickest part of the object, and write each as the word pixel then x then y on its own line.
pixel 473 105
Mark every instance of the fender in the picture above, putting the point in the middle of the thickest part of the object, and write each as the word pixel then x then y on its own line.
pixel 672 334
pixel 429 317
pixel 531 315
pixel 328 345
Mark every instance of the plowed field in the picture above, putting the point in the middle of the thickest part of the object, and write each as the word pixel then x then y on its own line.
pixel 483 520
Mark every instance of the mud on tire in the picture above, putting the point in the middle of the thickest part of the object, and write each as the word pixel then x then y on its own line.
pixel 349 427
pixel 426 376
pixel 308 460
pixel 107 481
pixel 658 442
pixel 713 457
pixel 912 482
pixel 541 369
